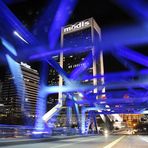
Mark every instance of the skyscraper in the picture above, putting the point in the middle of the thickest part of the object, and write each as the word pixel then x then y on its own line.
pixel 84 58
pixel 82 37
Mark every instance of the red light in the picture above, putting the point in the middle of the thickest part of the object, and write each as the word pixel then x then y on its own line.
pixel 126 96
pixel 103 97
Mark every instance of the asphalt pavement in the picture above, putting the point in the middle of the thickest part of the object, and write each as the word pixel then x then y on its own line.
pixel 110 141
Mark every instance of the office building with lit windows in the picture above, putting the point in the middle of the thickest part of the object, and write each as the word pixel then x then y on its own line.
pixel 53 79
pixel 131 120
pixel 73 38
pixel 81 38
pixel 14 111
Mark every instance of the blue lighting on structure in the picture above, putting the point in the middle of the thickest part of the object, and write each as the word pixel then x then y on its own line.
pixel 114 39
pixel 124 35
pixel 137 8
pixel 56 52
pixel 12 23
pixel 115 75
pixel 133 56
pixel 54 33
pixel 41 99
pixel 62 15
pixel 18 35
pixel 9 47
pixel 84 65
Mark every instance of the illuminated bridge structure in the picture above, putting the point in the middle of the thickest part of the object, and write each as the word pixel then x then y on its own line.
pixel 110 93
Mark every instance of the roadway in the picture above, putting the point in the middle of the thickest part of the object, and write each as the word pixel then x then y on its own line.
pixel 111 141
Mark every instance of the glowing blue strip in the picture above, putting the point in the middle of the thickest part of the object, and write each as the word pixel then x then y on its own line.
pixel 11 20
pixel 124 35
pixel 62 15
pixel 69 88
pixel 136 8
pixel 74 88
pixel 18 35
pixel 9 47
pixel 69 116
pixel 86 64
pixel 77 112
pixel 123 74
pixel 83 121
pixel 133 56
pixel 41 99
pixel 55 52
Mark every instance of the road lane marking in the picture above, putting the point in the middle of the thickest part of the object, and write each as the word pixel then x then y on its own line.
pixel 144 138
pixel 79 141
pixel 114 142
pixel 74 139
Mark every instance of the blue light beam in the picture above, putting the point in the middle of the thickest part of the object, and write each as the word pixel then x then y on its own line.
pixel 136 8
pixel 9 47
pixel 62 15
pixel 19 36
pixel 133 56
pixel 14 24
pixel 41 98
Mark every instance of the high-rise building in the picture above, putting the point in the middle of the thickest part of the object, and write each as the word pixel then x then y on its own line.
pixel 18 108
pixel 81 37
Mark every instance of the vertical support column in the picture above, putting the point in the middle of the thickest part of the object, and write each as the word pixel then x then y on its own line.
pixel 61 64
pixel 102 71
pixel 83 120
pixel 94 70
pixel 41 98
pixel 95 122
pixel 60 79
pixel 94 57
pixel 69 116
pixel 78 116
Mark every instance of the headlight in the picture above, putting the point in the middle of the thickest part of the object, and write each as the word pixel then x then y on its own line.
pixel 106 132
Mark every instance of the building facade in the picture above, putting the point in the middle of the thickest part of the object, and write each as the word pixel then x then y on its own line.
pixel 82 58
pixel 131 120
pixel 81 38
pixel 20 109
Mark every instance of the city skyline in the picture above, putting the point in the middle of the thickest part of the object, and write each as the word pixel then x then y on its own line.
pixel 72 67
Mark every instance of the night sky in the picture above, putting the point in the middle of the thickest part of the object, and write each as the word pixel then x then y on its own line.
pixel 106 13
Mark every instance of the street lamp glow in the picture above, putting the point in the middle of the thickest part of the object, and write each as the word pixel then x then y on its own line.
pixel 81 95
pixel 107 106
pixel 99 111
